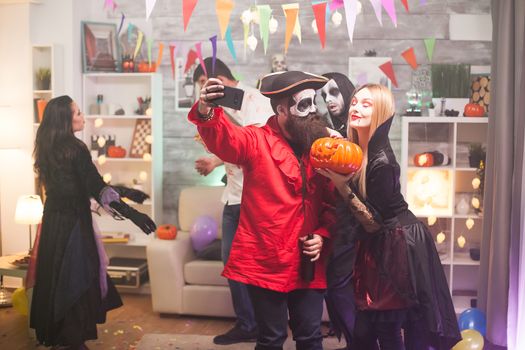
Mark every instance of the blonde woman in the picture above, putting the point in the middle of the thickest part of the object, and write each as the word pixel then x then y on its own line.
pixel 398 278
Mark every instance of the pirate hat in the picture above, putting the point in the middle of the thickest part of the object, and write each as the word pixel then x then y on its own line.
pixel 282 84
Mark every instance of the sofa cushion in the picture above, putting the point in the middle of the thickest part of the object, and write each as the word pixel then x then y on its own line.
pixel 204 272
pixel 198 201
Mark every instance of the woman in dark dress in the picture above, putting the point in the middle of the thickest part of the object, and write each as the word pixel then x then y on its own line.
pixel 398 277
pixel 71 295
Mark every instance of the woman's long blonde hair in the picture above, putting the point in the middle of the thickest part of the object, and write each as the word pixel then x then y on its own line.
pixel 384 108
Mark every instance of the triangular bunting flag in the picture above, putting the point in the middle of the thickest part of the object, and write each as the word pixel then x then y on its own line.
pixel 190 60
pixel 429 45
pixel 139 43
pixel 159 56
pixel 405 3
pixel 172 59
pixel 150 4
pixel 246 30
pixel 376 4
pixel 410 57
pixel 336 4
pixel 224 9
pixel 388 69
pixel 264 21
pixel 187 9
pixel 391 10
pixel 149 43
pixel 320 16
pixel 290 11
pixel 110 5
pixel 213 40
pixel 198 48
pixel 351 14
pixel 229 42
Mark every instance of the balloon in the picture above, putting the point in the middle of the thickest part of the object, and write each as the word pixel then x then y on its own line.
pixel 20 303
pixel 472 340
pixel 473 319
pixel 203 232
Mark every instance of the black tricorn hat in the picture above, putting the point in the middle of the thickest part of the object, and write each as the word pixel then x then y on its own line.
pixel 282 84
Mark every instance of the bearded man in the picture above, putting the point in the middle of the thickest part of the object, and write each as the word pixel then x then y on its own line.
pixel 283 201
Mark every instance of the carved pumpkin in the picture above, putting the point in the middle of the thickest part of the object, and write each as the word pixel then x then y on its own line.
pixel 167 232
pixel 424 159
pixel 339 155
pixel 116 152
pixel 474 110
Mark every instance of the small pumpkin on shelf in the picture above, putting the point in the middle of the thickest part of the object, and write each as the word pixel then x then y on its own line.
pixel 116 152
pixel 474 110
pixel 167 232
pixel 339 155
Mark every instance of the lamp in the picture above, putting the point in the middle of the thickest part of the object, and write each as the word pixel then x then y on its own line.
pixel 29 210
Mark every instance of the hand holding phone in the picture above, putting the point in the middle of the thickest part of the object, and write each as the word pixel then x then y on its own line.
pixel 232 98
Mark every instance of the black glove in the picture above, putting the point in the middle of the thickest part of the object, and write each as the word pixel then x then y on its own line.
pixel 136 196
pixel 143 221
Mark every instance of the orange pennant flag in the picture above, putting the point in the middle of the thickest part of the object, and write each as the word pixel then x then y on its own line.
pixel 224 9
pixel 388 69
pixel 187 9
pixel 410 57
pixel 405 3
pixel 159 56
pixel 291 11
pixel 320 17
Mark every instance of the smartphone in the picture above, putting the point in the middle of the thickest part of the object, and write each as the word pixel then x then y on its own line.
pixel 232 98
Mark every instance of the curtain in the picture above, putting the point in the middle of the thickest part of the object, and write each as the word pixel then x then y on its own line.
pixel 502 269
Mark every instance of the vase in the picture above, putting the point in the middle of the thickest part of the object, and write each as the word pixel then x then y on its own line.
pixel 463 206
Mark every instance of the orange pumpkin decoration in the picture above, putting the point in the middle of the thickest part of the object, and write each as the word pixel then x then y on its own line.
pixel 116 152
pixel 167 232
pixel 339 155
pixel 474 110
pixel 424 159
pixel 145 67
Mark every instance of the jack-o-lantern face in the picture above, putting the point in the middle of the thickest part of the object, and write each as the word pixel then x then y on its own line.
pixel 339 155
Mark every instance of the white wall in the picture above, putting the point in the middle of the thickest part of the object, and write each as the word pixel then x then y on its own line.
pixel 16 170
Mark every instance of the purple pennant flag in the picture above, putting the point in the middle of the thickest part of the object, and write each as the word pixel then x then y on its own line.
pixel 213 40
pixel 121 23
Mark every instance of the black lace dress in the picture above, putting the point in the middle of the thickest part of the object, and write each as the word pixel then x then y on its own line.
pixel 69 297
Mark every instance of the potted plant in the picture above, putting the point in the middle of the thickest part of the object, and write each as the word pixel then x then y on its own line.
pixel 476 154
pixel 43 78
pixel 431 109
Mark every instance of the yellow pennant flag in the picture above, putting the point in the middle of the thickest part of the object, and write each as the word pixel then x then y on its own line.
pixel 291 12
pixel 139 44
pixel 224 9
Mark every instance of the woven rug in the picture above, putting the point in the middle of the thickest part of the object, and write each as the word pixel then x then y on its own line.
pixel 205 342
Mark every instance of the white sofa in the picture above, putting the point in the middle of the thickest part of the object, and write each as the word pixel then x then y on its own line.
pixel 180 283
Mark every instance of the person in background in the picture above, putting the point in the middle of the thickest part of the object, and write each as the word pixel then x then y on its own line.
pixel 339 298
pixel 255 109
pixel 285 209
pixel 336 95
pixel 72 293
pixel 398 277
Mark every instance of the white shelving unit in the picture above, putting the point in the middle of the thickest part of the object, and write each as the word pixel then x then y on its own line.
pixel 436 192
pixel 121 91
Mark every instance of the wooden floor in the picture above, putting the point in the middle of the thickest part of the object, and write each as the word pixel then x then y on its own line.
pixel 124 328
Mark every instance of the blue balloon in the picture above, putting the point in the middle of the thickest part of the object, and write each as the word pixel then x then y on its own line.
pixel 203 232
pixel 473 319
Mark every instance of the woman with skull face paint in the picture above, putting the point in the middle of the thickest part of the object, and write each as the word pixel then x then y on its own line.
pixel 336 94
pixel 398 277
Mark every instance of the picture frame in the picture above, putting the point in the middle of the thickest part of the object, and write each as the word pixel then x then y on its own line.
pixel 100 47
pixel 186 92
pixel 366 70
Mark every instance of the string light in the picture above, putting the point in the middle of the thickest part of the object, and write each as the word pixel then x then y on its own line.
pixel 143 176
pixel 146 157
pixel 149 139
pixel 273 25
pixel 252 42
pixel 431 220
pixel 440 237
pixel 102 159
pixel 461 241
pixel 475 202
pixel 476 182
pixel 101 142
pixel 98 122
pixel 107 178
pixel 337 18
pixel 469 223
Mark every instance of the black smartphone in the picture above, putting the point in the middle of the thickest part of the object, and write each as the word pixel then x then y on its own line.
pixel 232 98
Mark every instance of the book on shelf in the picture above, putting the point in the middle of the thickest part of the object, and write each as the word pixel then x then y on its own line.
pixel 115 237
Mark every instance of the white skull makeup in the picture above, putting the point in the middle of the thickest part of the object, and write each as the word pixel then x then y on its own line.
pixel 333 98
pixel 278 63
pixel 304 103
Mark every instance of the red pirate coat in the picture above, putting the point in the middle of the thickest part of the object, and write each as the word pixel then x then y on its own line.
pixel 266 250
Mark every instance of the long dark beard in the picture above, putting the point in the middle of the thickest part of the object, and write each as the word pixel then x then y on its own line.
pixel 305 130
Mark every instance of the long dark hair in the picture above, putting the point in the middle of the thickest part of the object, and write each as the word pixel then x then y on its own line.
pixel 55 141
